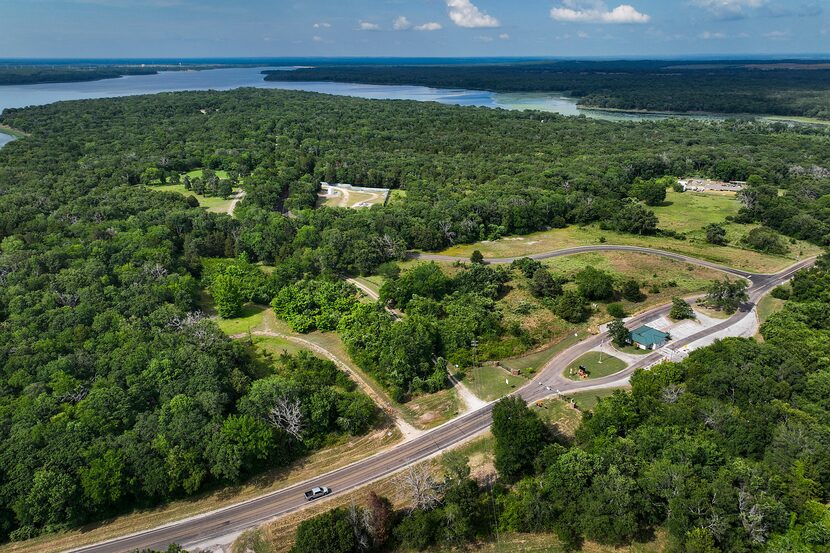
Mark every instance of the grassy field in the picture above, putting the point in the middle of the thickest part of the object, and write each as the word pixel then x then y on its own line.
pixel 489 382
pixel 769 306
pixel 690 211
pixel 198 173
pixel 631 350
pixel 212 204
pixel 599 364
pixel 533 362
pixel 252 318
pixel 558 239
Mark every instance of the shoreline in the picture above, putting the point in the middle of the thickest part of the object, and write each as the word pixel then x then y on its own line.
pixel 11 131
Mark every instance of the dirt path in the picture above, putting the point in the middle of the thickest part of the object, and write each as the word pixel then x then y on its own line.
pixel 406 429
pixel 236 199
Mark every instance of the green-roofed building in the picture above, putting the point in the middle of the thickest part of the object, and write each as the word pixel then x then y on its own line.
pixel 646 337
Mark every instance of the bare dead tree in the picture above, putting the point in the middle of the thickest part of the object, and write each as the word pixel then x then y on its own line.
pixel 68 300
pixel 287 415
pixel 360 527
pixel 752 517
pixel 156 271
pixel 181 323
pixel 672 393
pixel 417 487
pixel 446 229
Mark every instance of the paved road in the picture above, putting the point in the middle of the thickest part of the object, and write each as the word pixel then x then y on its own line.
pixel 212 526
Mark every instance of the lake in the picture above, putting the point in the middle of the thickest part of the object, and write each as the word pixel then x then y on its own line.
pixel 227 79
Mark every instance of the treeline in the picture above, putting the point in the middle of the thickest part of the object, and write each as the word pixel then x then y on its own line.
pixel 781 87
pixel 728 450
pixel 34 74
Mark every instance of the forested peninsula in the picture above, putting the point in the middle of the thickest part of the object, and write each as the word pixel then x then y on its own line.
pixel 780 87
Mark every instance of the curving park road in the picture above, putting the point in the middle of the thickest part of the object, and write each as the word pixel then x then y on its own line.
pixel 213 529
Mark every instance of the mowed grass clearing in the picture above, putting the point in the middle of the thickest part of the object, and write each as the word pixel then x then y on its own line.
pixel 689 211
pixel 598 364
pixel 490 382
pixel 211 203
pixel 559 239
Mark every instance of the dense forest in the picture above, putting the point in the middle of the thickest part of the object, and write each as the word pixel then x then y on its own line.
pixel 728 450
pixel 785 87
pixel 35 74
pixel 116 391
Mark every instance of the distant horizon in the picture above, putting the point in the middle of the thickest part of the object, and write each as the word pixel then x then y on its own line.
pixel 805 56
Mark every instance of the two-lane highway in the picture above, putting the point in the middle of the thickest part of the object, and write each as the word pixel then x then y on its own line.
pixel 230 520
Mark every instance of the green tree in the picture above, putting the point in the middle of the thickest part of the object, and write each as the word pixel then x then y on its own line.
pixel 616 310
pixel 680 309
pixel 635 219
pixel 715 234
pixel 765 240
pixel 652 192
pixel 477 257
pixel 727 294
pixel 520 435
pixel 330 532
pixel 595 284
pixel 571 307
pixel 631 291
pixel 543 285
pixel 228 295
pixel 619 334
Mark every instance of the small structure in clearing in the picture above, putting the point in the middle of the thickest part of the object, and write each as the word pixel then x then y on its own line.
pixel 348 195
pixel 646 337
pixel 708 185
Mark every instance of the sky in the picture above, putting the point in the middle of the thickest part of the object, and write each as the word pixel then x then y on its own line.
pixel 392 28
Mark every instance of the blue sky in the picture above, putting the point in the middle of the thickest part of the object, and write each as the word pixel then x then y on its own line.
pixel 227 28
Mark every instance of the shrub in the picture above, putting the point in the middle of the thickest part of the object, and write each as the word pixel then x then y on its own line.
pixel 765 240
pixel 680 309
pixel 781 292
pixel 595 284
pixel 631 291
pixel 616 310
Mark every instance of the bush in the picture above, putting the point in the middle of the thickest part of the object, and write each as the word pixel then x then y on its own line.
pixel 616 310
pixel 680 309
pixel 781 292
pixel 715 234
pixel 571 307
pixel 595 284
pixel 527 266
pixel 543 285
pixel 330 532
pixel 631 291
pixel 477 257
pixel 765 240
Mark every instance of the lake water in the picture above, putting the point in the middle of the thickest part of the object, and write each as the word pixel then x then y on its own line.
pixel 228 79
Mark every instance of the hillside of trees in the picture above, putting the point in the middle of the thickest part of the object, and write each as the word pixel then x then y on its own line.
pixel 115 392
pixel 786 87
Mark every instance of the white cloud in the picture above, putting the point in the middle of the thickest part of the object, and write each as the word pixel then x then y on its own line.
pixel 317 38
pixel 485 38
pixel 504 36
pixel 401 23
pixel 728 9
pixel 323 25
pixel 583 34
pixel 596 11
pixel 367 26
pixel 777 35
pixel 710 35
pixel 431 26
pixel 465 14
